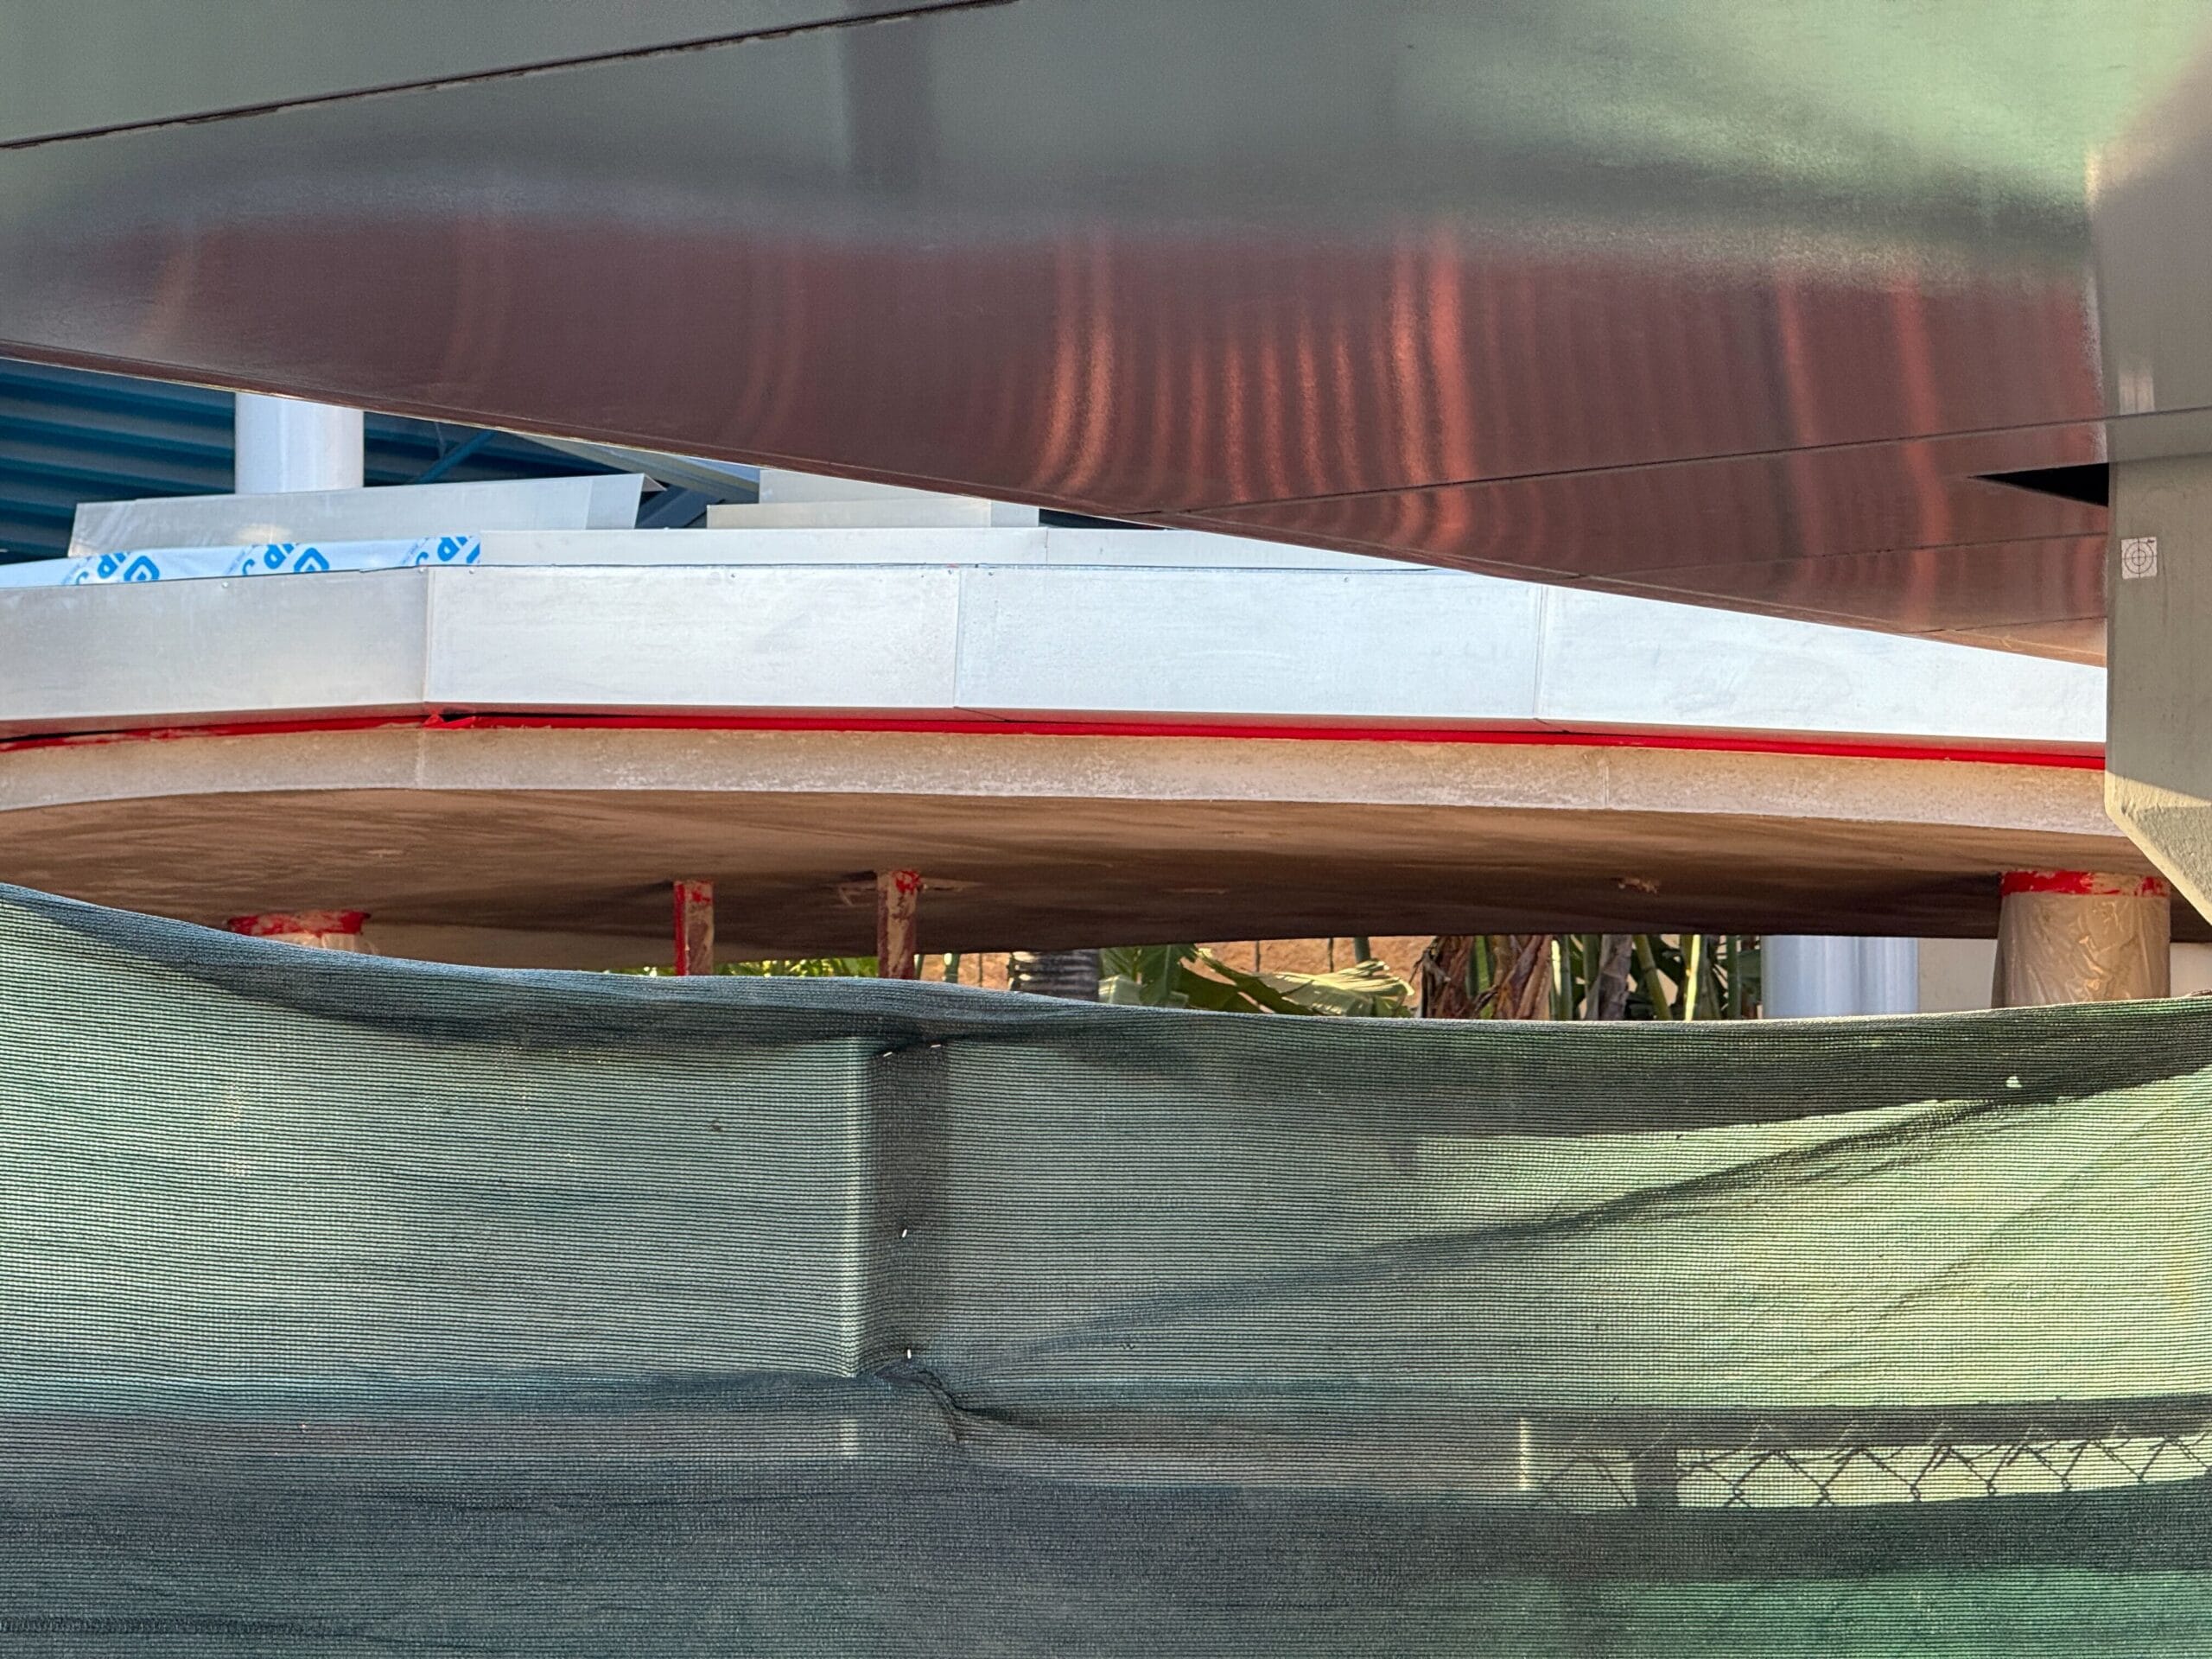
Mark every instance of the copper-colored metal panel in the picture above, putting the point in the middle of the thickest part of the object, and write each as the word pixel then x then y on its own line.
pixel 1803 506
pixel 1132 376
pixel 1258 259
pixel 1988 587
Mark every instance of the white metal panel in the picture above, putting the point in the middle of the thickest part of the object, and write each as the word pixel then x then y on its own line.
pixel 601 501
pixel 755 549
pixel 1172 550
pixel 1613 661
pixel 1297 645
pixel 1398 644
pixel 939 512
pixel 797 499
pixel 717 639
pixel 124 656
pixel 786 486
pixel 1199 550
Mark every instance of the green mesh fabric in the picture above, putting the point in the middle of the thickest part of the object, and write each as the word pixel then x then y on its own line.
pixel 353 1306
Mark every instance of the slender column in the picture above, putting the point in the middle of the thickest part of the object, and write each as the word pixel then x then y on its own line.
pixel 2077 935
pixel 898 938
pixel 320 929
pixel 284 444
pixel 1805 976
pixel 695 927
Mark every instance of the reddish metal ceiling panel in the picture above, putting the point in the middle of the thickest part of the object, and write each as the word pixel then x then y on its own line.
pixel 1592 290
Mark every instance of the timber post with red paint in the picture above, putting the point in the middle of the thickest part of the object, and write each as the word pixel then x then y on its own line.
pixel 898 935
pixel 695 927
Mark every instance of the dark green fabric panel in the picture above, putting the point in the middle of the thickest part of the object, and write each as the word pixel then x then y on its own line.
pixel 208 1190
pixel 1130 1239
pixel 237 1161
pixel 351 1306
pixel 683 1555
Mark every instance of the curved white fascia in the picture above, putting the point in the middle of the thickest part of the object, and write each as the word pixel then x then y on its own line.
pixel 1308 638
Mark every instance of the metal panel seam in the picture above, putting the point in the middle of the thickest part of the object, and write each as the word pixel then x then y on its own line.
pixel 906 12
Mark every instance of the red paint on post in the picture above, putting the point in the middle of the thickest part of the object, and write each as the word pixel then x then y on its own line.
pixel 695 927
pixel 291 924
pixel 897 931
pixel 2086 884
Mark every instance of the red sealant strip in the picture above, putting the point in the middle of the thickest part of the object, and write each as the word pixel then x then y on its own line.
pixel 2086 884
pixel 463 720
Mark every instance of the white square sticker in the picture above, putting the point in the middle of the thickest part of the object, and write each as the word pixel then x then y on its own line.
pixel 2138 556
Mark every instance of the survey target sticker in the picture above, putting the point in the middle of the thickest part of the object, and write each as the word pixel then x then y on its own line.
pixel 2139 558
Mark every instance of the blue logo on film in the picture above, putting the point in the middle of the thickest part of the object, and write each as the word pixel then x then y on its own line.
pixel 276 558
pixel 446 550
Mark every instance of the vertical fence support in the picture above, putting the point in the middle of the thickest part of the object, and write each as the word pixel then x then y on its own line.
pixel 898 935
pixel 695 927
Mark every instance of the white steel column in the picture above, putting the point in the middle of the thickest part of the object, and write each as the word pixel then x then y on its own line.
pixel 284 444
pixel 1809 975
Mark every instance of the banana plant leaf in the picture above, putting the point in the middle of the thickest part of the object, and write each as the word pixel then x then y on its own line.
pixel 1189 976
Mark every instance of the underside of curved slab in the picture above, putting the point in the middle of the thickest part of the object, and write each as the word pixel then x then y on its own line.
pixel 552 844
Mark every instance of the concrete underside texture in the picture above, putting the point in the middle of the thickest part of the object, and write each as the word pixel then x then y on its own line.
pixel 556 847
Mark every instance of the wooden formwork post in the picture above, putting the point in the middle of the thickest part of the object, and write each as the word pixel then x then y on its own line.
pixel 319 930
pixel 695 927
pixel 2077 936
pixel 898 934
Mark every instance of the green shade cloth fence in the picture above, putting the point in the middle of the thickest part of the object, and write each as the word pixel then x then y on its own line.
pixel 353 1306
